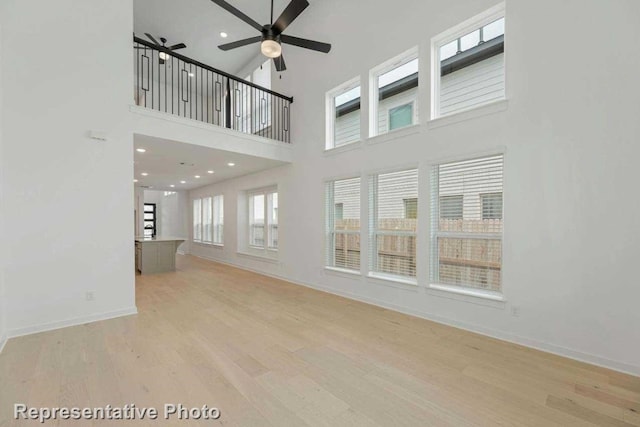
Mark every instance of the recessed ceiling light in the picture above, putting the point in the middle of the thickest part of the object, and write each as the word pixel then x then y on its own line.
pixel 231 164
pixel 183 182
pixel 224 35
pixel 197 177
pixel 135 180
pixel 144 174
pixel 172 186
pixel 210 172
pixel 140 150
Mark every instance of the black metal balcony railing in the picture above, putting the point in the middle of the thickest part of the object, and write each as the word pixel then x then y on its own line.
pixel 172 83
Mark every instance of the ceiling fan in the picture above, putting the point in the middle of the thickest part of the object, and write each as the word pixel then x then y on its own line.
pixel 271 36
pixel 163 56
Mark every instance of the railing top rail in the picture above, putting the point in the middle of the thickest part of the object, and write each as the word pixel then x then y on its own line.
pixel 207 67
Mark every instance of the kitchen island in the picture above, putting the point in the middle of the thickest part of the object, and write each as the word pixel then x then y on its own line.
pixel 156 254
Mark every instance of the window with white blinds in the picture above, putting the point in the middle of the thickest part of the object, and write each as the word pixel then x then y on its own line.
pixel 343 224
pixel 197 220
pixel 343 115
pixel 263 219
pixel 393 216
pixel 207 220
pixel 218 220
pixel 470 64
pixel 467 223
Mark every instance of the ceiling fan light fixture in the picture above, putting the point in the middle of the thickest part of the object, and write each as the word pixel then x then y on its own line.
pixel 271 48
pixel 163 56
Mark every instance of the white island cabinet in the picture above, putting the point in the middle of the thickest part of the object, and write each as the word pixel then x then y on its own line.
pixel 156 255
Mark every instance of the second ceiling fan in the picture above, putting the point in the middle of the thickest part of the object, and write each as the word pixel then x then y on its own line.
pixel 271 36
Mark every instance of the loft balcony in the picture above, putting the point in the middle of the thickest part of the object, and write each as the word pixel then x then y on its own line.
pixel 170 83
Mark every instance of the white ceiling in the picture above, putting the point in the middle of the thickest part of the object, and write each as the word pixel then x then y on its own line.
pixel 198 24
pixel 162 161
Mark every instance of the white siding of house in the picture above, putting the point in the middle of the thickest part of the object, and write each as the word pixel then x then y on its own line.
pixel 473 85
pixel 396 191
pixel 347 128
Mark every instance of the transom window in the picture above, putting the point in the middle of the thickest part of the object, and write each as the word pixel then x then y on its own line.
pixel 343 115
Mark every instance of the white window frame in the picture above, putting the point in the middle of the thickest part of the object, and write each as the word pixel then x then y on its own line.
pixel 264 250
pixel 464 28
pixel 203 240
pixel 381 69
pixel 330 112
pixel 435 234
pixel 374 232
pixel 193 219
pixel 330 229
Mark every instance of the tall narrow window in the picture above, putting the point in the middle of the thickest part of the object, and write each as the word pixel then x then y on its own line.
pixel 218 220
pixel 394 94
pixel 467 224
pixel 150 218
pixel 197 220
pixel 469 64
pixel 343 115
pixel 393 215
pixel 263 219
pixel 207 220
pixel 343 224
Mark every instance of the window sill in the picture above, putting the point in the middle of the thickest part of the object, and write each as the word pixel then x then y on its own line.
pixel 207 244
pixel 476 296
pixel 343 148
pixel 472 113
pixel 394 134
pixel 396 281
pixel 265 257
pixel 342 272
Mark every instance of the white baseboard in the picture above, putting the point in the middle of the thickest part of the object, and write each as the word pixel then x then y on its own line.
pixel 34 329
pixel 504 336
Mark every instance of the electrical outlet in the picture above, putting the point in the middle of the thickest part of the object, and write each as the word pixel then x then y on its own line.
pixel 90 295
pixel 515 311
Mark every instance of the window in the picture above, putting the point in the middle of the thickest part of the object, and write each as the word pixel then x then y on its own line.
pixel 467 248
pixel 393 202
pixel 150 220
pixel 394 94
pixel 343 224
pixel 451 207
pixel 468 61
pixel 197 220
pixel 491 205
pixel 218 220
pixel 343 115
pixel 208 220
pixel 263 219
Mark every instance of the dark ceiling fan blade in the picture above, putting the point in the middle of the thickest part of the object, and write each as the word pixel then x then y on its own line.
pixel 177 46
pixel 280 64
pixel 226 6
pixel 152 38
pixel 291 12
pixel 307 44
pixel 240 43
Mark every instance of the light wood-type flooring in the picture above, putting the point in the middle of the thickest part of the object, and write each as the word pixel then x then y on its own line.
pixel 270 353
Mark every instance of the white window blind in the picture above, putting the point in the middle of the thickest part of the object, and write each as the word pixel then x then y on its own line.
pixel 263 219
pixel 343 224
pixel 393 201
pixel 218 220
pixel 207 220
pixel 197 220
pixel 467 245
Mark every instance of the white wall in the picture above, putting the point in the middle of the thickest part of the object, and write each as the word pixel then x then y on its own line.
pixel 172 210
pixel 3 322
pixel 570 135
pixel 67 199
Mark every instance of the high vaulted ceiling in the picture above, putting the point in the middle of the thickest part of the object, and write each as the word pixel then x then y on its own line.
pixel 198 24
